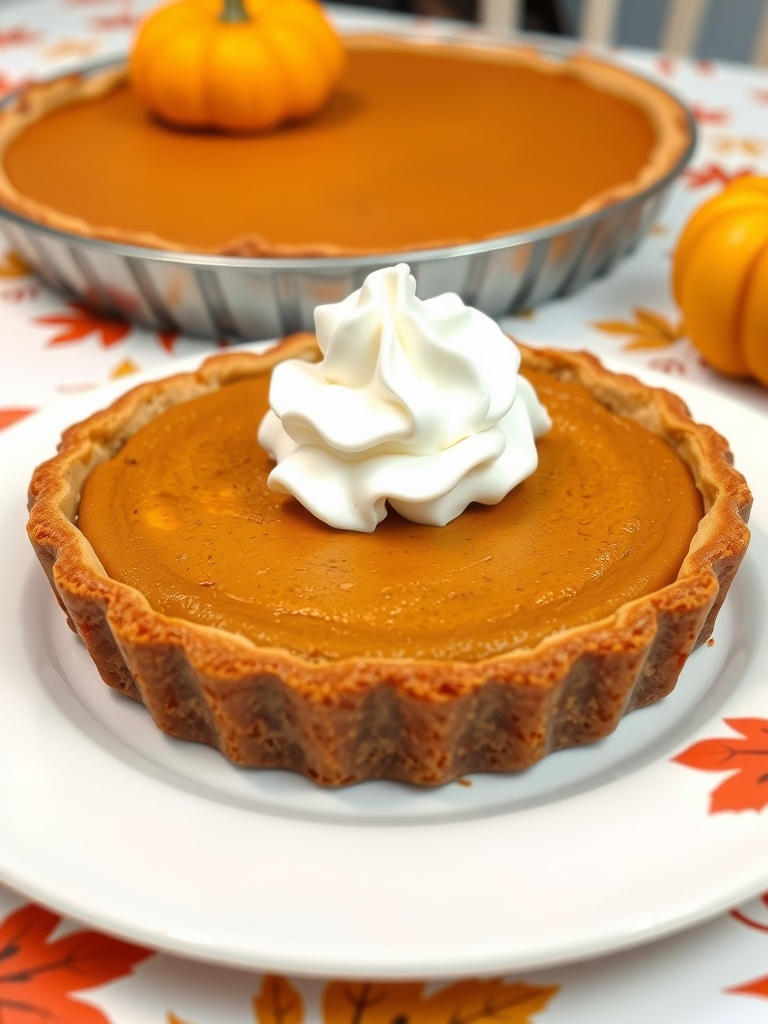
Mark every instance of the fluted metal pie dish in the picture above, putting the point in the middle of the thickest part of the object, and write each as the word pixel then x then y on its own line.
pixel 247 296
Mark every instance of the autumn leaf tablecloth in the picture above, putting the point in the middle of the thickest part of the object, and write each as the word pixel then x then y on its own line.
pixel 56 971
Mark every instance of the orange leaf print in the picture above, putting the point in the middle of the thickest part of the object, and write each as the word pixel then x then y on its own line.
pixel 488 1001
pixel 81 322
pixel 745 759
pixel 9 416
pixel 38 974
pixel 648 329
pixel 12 265
pixel 278 1002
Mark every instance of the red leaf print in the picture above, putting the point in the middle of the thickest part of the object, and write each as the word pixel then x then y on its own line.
pixel 18 37
pixel 113 22
pixel 706 115
pixel 81 322
pixel 38 975
pixel 746 759
pixel 758 986
pixel 167 340
pixel 668 364
pixel 713 174
pixel 665 65
pixel 9 416
pixel 760 95
pixel 751 922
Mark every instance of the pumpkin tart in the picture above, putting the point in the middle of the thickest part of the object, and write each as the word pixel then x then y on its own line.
pixel 423 145
pixel 416 653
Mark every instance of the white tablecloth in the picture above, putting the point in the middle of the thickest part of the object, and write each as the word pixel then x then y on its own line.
pixel 51 347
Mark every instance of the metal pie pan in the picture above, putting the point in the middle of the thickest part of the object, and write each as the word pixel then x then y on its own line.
pixel 255 298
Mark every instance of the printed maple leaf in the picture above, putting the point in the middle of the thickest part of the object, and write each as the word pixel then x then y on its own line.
pixel 760 95
pixel 489 1001
pixel 18 37
pixel 745 759
pixel 11 415
pixel 114 22
pixel 123 369
pixel 713 174
pixel 81 322
pixel 669 365
pixel 707 115
pixel 647 330
pixel 278 1002
pixel 748 146
pixel 167 340
pixel 12 265
pixel 758 986
pixel 70 48
pixel 38 974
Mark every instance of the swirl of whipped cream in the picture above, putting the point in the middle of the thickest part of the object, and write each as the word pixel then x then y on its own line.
pixel 415 403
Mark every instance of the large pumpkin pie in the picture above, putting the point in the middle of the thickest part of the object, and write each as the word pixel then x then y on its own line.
pixel 423 145
pixel 417 653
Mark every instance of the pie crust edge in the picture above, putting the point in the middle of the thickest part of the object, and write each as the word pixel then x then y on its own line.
pixel 675 134
pixel 424 722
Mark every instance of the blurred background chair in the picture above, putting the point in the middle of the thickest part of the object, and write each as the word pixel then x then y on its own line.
pixel 723 29
pixel 734 30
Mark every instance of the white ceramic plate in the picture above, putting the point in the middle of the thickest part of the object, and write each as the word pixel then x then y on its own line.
pixel 164 842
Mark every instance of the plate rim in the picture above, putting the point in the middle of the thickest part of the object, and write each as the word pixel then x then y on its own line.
pixel 750 878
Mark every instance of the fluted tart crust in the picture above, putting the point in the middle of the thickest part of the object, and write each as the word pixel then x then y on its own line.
pixel 340 719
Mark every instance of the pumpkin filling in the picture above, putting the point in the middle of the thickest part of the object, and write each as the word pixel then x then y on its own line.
pixel 183 514
pixel 477 149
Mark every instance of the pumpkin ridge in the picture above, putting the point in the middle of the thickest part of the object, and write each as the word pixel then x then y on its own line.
pixel 695 230
pixel 755 330
pixel 744 304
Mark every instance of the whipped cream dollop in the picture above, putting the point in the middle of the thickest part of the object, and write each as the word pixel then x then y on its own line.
pixel 415 403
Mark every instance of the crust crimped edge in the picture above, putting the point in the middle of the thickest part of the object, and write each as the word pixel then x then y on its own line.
pixel 673 131
pixel 419 721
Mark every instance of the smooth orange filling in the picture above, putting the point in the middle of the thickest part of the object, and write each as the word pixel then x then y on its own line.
pixel 184 515
pixel 417 148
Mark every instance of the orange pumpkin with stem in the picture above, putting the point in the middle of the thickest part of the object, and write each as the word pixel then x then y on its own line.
pixel 236 65
pixel 720 279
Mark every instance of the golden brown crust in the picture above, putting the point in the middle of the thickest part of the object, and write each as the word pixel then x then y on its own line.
pixel 425 722
pixel 673 137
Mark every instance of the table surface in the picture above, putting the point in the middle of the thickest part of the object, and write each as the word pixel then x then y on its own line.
pixel 51 348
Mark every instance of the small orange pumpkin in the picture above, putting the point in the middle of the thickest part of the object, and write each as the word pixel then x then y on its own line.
pixel 236 65
pixel 720 279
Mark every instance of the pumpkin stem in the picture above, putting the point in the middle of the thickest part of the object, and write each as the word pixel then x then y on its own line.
pixel 234 10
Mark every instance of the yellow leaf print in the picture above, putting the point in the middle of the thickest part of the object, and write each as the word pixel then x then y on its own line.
pixel 70 48
pixel 124 369
pixel 648 329
pixel 489 1001
pixel 726 144
pixel 278 1002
